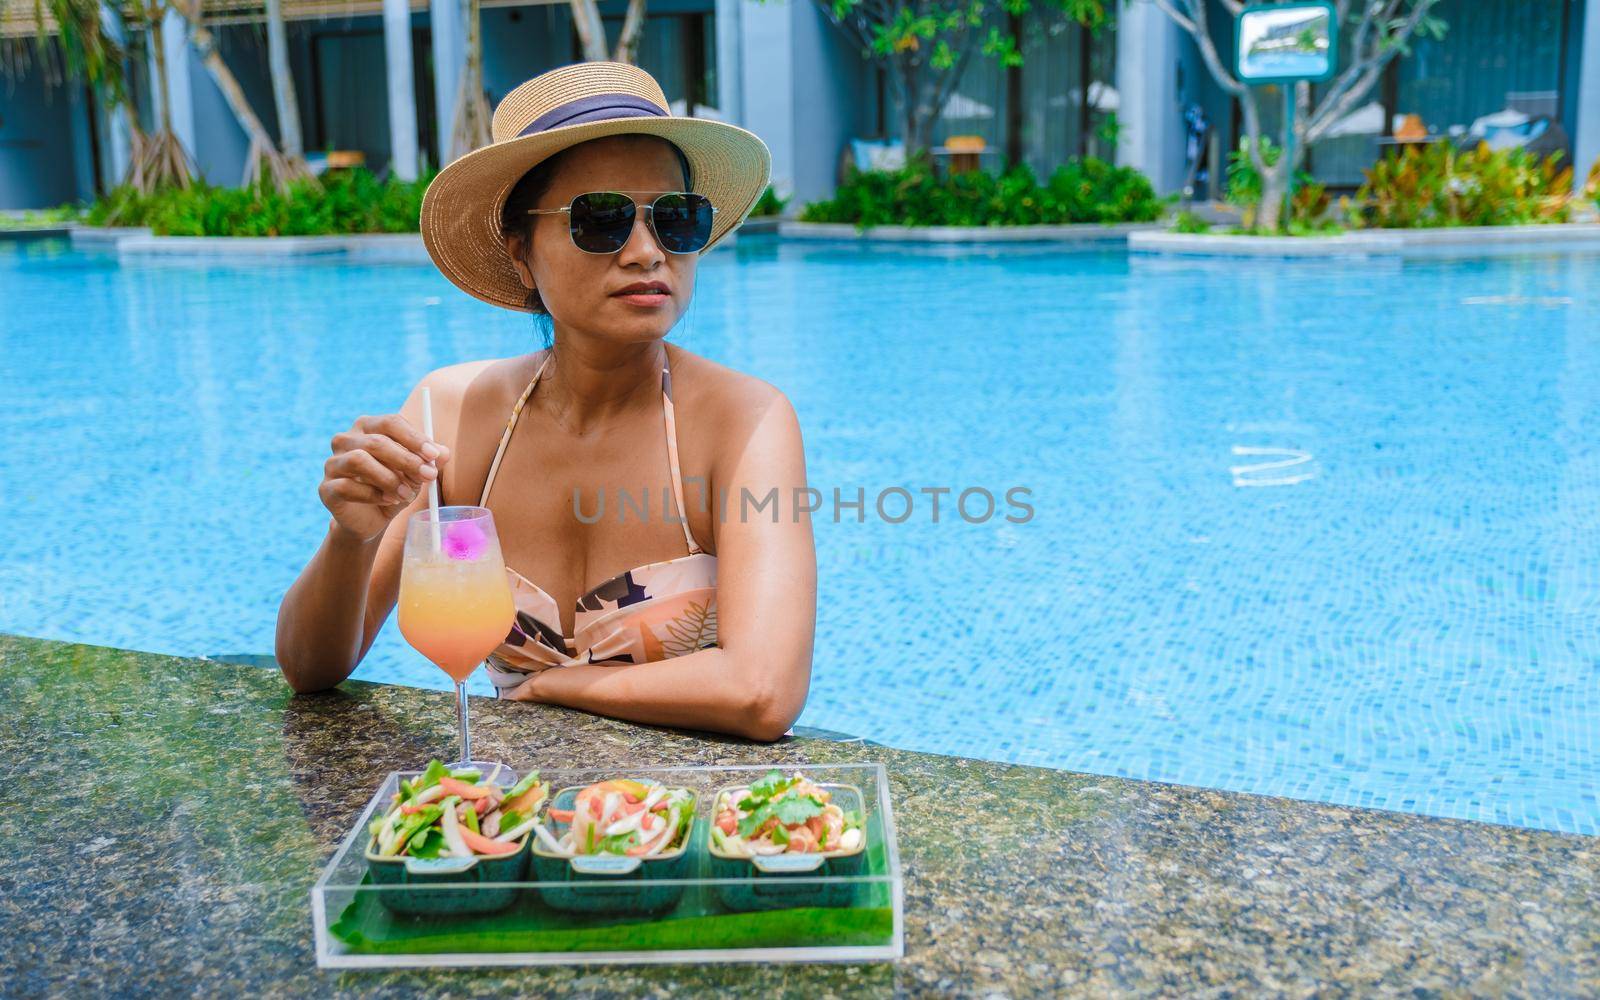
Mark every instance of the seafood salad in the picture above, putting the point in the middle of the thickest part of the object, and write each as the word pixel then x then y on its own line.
pixel 638 819
pixel 457 814
pixel 778 815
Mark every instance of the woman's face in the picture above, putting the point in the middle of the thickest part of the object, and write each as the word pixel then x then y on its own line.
pixel 585 292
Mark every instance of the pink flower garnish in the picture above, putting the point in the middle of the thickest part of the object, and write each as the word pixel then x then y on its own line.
pixel 464 540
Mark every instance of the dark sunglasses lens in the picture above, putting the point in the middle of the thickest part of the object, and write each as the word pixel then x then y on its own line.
pixel 682 221
pixel 602 221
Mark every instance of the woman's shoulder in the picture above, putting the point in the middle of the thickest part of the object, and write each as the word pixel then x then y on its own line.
pixel 716 392
pixel 475 379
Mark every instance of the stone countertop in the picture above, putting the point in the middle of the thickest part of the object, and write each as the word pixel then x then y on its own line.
pixel 165 819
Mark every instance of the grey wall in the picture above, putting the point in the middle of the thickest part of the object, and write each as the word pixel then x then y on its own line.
pixel 804 91
pixel 39 123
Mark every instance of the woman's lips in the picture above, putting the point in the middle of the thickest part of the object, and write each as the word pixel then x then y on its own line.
pixel 650 300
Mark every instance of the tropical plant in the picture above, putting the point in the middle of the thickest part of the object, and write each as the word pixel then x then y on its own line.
pixel 769 204
pixel 1189 222
pixel 1440 185
pixel 92 45
pixel 928 44
pixel 1081 190
pixel 1383 29
pixel 345 201
pixel 1311 200
pixel 263 159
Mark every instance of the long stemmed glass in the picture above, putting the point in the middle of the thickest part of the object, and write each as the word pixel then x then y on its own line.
pixel 455 601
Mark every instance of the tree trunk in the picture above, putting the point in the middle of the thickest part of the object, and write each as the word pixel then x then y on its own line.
pixel 472 109
pixel 1274 186
pixel 159 160
pixel 591 30
pixel 283 94
pixel 1014 96
pixel 262 151
pixel 632 30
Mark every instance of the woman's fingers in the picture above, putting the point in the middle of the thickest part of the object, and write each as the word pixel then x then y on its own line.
pixel 398 429
pixel 397 457
pixel 350 491
pixel 359 465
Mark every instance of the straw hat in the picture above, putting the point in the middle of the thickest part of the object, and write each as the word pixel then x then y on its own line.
pixel 555 110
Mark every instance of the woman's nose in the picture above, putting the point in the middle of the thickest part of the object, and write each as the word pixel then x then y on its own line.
pixel 642 247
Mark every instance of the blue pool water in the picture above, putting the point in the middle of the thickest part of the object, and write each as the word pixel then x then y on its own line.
pixel 1323 530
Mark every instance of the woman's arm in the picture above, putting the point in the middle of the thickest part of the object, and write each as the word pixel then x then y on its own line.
pixel 754 683
pixel 377 476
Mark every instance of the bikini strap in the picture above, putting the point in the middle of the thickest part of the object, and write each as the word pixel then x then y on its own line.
pixel 505 439
pixel 672 456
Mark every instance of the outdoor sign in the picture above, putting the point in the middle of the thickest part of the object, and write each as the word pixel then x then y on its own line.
pixel 1286 43
pixel 1281 43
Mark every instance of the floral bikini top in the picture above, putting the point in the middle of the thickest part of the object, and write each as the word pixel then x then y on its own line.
pixel 655 612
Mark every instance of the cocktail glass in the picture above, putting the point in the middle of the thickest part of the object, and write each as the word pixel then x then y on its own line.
pixel 455 601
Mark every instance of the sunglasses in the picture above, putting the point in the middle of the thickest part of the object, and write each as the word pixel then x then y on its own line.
pixel 602 221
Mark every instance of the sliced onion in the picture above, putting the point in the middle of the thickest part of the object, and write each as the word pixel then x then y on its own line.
pixel 452 835
pixel 550 843
pixel 516 832
pixel 432 793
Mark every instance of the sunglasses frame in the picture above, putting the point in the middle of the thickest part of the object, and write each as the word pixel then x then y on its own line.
pixel 649 209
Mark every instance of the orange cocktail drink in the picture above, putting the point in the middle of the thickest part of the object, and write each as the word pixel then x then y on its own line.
pixel 455 612
pixel 455 600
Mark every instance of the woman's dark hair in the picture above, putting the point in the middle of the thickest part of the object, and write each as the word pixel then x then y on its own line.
pixel 525 194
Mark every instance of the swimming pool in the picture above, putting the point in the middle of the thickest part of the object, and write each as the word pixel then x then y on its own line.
pixel 1328 530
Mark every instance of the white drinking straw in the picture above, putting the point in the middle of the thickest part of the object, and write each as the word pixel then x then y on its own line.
pixel 433 484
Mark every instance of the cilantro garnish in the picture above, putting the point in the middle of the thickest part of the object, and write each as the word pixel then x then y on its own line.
pixel 772 797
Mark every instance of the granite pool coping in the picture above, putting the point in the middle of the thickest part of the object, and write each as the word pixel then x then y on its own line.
pixel 141 862
pixel 1088 234
pixel 1470 240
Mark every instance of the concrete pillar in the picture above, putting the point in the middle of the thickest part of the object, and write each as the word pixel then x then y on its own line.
pixel 449 57
pixel 768 84
pixel 730 61
pixel 179 97
pixel 402 91
pixel 1586 141
pixel 1151 119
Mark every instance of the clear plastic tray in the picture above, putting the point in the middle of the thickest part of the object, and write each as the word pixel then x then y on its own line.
pixel 693 916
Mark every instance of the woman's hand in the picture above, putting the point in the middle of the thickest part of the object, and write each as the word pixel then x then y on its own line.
pixel 378 467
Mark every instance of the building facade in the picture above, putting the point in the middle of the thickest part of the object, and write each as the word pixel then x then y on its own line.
pixel 380 77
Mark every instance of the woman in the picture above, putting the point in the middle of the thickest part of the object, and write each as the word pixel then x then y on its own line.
pixel 578 212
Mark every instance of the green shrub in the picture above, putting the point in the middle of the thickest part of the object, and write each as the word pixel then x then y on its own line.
pixel 1307 207
pixel 1189 222
pixel 768 204
pixel 1440 185
pixel 35 218
pixel 345 201
pixel 1081 190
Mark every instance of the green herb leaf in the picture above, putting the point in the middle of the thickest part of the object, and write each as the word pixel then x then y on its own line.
pixel 470 818
pixel 523 785
pixel 430 777
pixel 748 825
pixel 780 836
pixel 794 810
pixel 510 819
pixel 770 784
pixel 428 843
pixel 617 844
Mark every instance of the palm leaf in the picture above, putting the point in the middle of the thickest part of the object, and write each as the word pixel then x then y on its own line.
pixel 696 629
